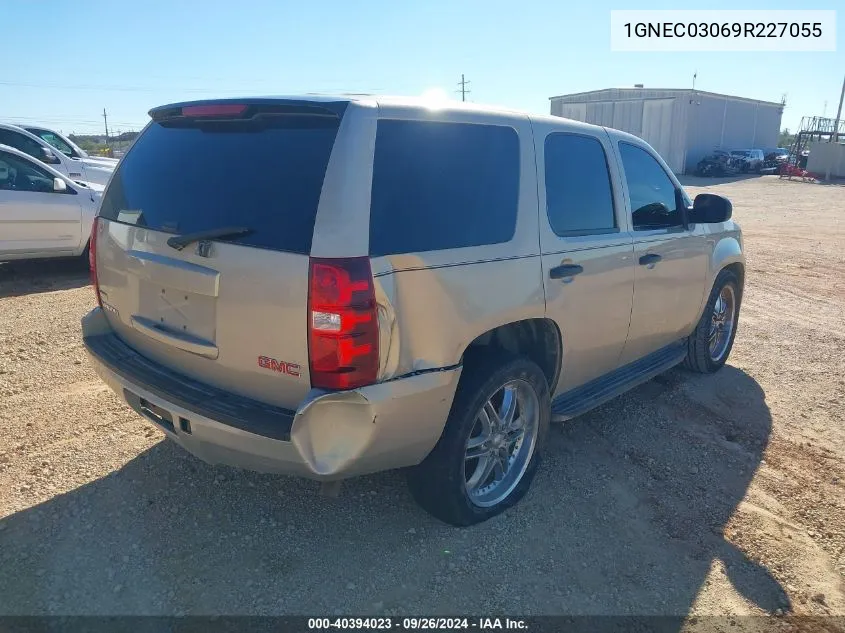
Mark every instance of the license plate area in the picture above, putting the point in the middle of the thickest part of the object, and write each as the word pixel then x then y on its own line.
pixel 178 310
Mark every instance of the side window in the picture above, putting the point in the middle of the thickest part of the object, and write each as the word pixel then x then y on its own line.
pixel 18 174
pixel 442 185
pixel 652 193
pixel 21 142
pixel 55 141
pixel 579 199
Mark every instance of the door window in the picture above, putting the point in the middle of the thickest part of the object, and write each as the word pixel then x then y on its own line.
pixel 18 174
pixel 653 200
pixel 579 199
pixel 21 142
pixel 55 141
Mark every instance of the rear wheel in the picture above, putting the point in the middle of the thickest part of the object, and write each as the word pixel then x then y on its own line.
pixel 491 446
pixel 710 344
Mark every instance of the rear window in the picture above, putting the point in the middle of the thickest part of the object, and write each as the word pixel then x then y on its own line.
pixel 264 175
pixel 442 185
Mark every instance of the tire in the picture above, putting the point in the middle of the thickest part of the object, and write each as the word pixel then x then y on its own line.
pixel 84 256
pixel 439 484
pixel 701 357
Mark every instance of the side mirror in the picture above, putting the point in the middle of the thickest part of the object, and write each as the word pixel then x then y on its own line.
pixel 708 208
pixel 49 157
pixel 59 185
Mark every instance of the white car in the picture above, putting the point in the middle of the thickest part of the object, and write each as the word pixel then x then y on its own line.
pixel 69 148
pixel 75 169
pixel 43 213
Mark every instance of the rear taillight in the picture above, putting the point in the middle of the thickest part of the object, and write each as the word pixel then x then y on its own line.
pixel 92 258
pixel 342 323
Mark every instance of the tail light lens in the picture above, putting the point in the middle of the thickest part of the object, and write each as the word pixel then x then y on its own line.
pixel 342 323
pixel 92 258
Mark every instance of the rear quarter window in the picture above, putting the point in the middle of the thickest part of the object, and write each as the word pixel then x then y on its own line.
pixel 442 185
pixel 266 176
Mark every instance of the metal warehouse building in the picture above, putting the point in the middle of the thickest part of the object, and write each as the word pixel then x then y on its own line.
pixel 682 125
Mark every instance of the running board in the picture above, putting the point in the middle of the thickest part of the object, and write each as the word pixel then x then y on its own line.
pixel 596 392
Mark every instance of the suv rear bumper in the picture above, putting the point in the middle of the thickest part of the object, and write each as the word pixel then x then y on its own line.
pixel 329 436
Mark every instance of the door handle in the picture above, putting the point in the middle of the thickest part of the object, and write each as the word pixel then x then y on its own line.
pixel 565 270
pixel 650 259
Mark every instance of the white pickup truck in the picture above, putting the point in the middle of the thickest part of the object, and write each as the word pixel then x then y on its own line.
pixel 79 169
pixel 69 148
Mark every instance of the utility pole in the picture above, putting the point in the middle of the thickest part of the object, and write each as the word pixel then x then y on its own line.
pixel 835 136
pixel 463 84
pixel 106 121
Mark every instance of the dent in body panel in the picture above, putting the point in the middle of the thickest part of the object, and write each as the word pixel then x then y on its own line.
pixel 433 304
pixel 428 316
pixel 383 426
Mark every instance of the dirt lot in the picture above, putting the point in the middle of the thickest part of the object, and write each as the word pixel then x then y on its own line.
pixel 690 495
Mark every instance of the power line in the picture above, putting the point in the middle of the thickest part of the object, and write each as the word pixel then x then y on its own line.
pixel 118 88
pixel 70 120
pixel 463 83
pixel 125 88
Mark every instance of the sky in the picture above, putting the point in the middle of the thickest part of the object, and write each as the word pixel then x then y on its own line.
pixel 66 61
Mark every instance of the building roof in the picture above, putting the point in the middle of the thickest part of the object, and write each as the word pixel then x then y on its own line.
pixel 620 94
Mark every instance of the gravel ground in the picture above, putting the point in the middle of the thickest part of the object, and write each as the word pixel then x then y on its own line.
pixel 701 495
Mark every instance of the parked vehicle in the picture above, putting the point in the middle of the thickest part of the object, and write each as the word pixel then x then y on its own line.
pixel 751 160
pixel 719 163
pixel 75 169
pixel 42 212
pixel 383 285
pixel 775 160
pixel 69 148
pixel 803 159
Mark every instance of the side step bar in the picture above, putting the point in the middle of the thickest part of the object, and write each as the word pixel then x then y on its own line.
pixel 596 392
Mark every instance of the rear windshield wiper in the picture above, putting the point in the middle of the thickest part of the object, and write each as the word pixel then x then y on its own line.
pixel 181 241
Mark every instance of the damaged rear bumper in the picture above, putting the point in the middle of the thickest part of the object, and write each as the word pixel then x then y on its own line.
pixel 329 436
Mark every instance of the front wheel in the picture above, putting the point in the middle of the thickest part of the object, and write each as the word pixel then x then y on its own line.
pixel 711 342
pixel 491 445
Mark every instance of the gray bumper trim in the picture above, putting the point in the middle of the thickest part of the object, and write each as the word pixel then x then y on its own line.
pixel 213 403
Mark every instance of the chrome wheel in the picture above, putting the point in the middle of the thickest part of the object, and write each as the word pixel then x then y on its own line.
pixel 501 443
pixel 722 323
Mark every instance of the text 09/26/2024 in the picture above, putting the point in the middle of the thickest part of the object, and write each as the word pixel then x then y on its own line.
pixel 417 624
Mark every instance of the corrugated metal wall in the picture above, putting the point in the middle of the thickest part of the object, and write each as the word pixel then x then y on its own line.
pixel 704 129
pixel 660 122
pixel 768 126
pixel 682 132
pixel 725 123
pixel 628 116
